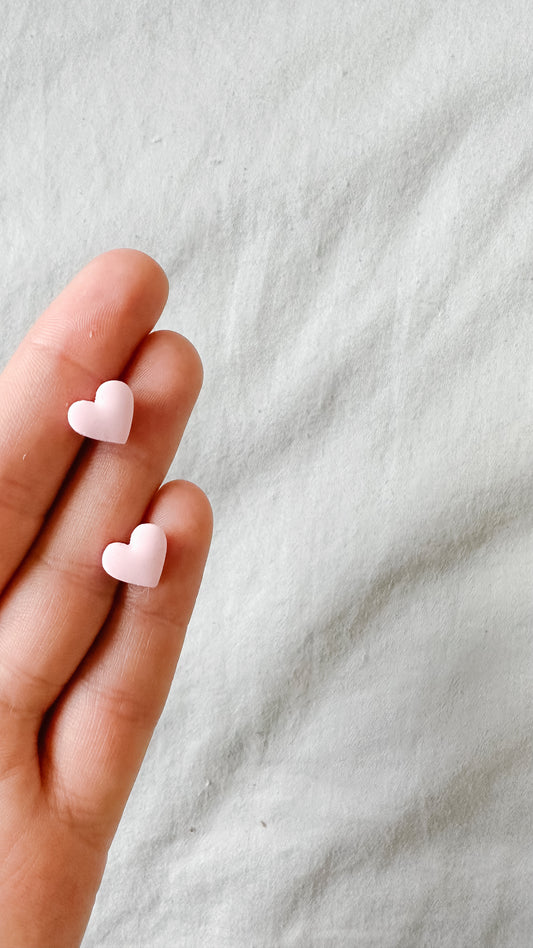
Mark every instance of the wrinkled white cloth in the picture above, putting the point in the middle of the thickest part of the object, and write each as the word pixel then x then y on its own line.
pixel 341 194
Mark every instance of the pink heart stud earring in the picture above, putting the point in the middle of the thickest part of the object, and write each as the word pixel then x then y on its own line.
pixel 141 561
pixel 108 418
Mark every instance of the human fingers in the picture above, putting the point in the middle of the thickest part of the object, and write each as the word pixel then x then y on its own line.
pixel 58 601
pixel 86 336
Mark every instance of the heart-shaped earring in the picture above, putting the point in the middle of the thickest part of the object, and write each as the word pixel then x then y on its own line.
pixel 140 561
pixel 108 418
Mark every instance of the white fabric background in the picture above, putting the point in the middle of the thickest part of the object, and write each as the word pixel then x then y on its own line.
pixel 342 196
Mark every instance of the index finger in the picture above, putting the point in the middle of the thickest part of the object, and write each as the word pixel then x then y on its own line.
pixel 86 336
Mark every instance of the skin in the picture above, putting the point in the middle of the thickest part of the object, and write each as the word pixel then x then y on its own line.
pixel 86 663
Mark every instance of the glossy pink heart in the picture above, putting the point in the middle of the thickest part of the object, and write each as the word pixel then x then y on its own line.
pixel 141 561
pixel 108 418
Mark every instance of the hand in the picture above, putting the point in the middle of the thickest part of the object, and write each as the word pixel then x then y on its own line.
pixel 86 663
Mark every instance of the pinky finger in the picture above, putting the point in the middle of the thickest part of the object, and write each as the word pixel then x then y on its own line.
pixel 100 728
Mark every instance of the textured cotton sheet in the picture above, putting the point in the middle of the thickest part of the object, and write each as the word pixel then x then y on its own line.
pixel 341 194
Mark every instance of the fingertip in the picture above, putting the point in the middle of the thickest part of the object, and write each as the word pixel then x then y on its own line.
pixel 185 511
pixel 135 279
pixel 147 268
pixel 114 286
pixel 195 365
pixel 177 359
